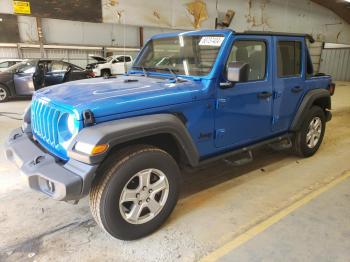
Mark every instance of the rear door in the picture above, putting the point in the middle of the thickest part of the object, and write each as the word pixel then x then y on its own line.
pixel 55 73
pixel 75 73
pixel 244 111
pixel 289 80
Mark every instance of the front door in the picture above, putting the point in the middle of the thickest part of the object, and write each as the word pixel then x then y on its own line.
pixel 118 66
pixel 288 80
pixel 244 110
pixel 23 79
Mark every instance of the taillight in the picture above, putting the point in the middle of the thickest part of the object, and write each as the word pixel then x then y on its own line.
pixel 90 74
pixel 331 88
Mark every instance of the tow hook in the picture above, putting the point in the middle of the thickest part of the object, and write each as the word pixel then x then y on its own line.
pixel 37 160
pixel 15 136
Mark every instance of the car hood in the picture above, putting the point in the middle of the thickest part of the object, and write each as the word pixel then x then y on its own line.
pixel 105 97
pixel 98 58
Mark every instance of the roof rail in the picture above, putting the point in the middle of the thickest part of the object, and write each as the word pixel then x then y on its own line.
pixel 308 36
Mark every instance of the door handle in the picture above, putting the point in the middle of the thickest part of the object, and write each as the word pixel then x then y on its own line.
pixel 297 89
pixel 264 95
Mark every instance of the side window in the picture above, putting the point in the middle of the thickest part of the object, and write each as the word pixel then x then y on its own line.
pixel 120 59
pixel 254 54
pixel 127 59
pixel 56 66
pixel 4 65
pixel 289 58
pixel 309 65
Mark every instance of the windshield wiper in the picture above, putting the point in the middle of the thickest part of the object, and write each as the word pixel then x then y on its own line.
pixel 143 69
pixel 147 69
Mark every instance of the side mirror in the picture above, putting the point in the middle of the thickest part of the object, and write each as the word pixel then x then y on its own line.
pixel 237 72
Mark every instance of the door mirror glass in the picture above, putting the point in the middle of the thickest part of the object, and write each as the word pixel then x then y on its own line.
pixel 237 72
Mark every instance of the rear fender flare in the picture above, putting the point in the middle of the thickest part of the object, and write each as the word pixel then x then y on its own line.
pixel 311 98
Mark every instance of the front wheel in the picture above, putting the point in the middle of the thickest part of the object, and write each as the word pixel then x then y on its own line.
pixel 136 192
pixel 106 73
pixel 309 138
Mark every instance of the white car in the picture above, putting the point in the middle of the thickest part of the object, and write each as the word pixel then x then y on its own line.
pixel 6 63
pixel 113 65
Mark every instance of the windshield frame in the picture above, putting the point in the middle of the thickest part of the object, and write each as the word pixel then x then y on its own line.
pixel 162 71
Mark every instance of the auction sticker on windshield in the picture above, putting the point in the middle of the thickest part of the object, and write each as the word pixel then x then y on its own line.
pixel 211 40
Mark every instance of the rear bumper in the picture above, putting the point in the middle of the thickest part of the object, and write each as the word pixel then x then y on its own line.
pixel 44 173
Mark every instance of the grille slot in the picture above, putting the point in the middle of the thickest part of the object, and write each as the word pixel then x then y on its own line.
pixel 44 122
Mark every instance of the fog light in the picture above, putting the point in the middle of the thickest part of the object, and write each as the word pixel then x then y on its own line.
pixel 91 149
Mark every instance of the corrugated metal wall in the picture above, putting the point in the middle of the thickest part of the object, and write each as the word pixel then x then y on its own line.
pixel 336 62
pixel 78 57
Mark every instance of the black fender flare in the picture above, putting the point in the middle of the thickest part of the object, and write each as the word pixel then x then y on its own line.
pixel 128 129
pixel 311 98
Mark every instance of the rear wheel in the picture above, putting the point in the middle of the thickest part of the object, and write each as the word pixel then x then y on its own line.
pixel 4 94
pixel 309 138
pixel 136 192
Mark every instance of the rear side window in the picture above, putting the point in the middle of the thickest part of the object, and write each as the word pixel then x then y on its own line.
pixel 289 58
pixel 254 54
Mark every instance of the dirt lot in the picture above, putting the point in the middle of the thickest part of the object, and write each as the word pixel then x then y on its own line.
pixel 218 202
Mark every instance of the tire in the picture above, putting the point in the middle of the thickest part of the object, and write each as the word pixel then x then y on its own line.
pixel 122 171
pixel 305 145
pixel 106 73
pixel 4 94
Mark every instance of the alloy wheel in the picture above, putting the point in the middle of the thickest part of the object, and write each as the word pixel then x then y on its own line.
pixel 3 94
pixel 144 196
pixel 314 132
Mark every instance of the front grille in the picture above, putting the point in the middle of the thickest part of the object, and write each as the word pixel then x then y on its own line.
pixel 44 122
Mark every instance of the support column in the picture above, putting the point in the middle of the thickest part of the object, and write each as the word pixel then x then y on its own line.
pixel 40 36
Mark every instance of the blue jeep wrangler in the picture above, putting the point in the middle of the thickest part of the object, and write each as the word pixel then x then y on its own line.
pixel 190 98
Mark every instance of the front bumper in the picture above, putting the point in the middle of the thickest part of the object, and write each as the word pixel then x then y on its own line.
pixel 44 173
pixel 97 72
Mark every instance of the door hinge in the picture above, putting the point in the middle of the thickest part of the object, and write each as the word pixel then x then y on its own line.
pixel 275 119
pixel 219 133
pixel 220 103
pixel 277 94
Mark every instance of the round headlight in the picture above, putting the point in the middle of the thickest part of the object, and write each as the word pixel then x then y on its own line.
pixel 66 126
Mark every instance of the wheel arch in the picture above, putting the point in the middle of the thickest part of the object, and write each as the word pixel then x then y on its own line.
pixel 165 131
pixel 318 97
pixel 11 90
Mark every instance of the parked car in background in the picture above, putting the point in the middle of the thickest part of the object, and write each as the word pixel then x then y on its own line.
pixel 23 78
pixel 113 65
pixel 6 63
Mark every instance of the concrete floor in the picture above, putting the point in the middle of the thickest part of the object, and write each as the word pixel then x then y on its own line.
pixel 219 202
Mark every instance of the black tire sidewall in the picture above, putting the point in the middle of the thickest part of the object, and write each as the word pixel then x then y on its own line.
pixel 111 217
pixel 315 111
pixel 105 73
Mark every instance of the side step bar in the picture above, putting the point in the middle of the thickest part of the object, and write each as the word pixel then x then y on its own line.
pixel 240 161
pixel 247 149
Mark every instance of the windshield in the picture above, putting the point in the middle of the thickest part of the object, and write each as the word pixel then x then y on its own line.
pixel 184 55
pixel 108 59
pixel 23 67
